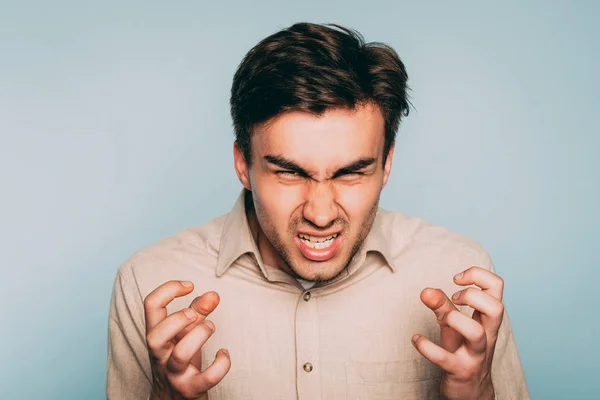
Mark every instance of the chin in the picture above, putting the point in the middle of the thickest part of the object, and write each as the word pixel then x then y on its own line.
pixel 319 273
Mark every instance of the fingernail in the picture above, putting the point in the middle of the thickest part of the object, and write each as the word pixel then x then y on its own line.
pixel 415 338
pixel 189 313
pixel 455 296
pixel 226 352
pixel 187 283
pixel 458 276
pixel 210 324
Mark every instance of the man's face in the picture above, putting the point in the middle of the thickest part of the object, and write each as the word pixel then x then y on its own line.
pixel 315 182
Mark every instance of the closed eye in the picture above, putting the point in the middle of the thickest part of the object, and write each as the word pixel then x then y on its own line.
pixel 287 173
pixel 349 175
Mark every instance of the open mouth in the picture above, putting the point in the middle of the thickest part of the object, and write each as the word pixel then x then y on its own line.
pixel 318 248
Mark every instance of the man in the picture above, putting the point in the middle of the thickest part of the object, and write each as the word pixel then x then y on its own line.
pixel 312 290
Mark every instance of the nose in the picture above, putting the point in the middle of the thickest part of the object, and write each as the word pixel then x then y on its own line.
pixel 321 208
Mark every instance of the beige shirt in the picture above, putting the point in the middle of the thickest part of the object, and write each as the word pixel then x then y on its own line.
pixel 355 332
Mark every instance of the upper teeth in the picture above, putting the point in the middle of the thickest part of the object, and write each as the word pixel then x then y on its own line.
pixel 317 238
pixel 318 242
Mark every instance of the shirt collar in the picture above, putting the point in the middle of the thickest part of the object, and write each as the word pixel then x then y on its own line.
pixel 237 240
pixel 379 238
pixel 236 237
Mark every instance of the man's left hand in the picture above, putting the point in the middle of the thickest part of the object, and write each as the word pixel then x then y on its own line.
pixel 466 344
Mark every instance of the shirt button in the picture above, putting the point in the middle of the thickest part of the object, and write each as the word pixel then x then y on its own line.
pixel 308 367
pixel 307 296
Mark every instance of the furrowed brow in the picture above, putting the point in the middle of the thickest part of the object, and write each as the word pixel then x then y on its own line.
pixel 354 166
pixel 286 164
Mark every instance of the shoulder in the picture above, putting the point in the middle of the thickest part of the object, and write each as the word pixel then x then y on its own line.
pixel 187 253
pixel 432 247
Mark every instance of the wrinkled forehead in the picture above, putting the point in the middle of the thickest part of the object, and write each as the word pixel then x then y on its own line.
pixel 322 142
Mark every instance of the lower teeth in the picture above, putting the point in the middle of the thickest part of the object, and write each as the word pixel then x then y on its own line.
pixel 318 245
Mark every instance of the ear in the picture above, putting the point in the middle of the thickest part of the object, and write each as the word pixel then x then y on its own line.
pixel 387 168
pixel 241 166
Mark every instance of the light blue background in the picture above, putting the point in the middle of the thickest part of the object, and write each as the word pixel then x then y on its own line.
pixel 115 132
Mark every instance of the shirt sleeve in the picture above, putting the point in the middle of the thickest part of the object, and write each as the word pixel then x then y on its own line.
pixel 129 375
pixel 507 372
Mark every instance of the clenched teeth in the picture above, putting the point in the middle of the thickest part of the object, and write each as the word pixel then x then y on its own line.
pixel 318 242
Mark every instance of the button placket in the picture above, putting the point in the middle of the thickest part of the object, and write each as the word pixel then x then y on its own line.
pixel 307 348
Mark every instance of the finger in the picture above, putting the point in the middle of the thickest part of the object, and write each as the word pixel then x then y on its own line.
pixel 203 305
pixel 434 353
pixel 491 310
pixel 159 338
pixel 488 281
pixel 203 381
pixel 188 346
pixel 472 331
pixel 439 303
pixel 206 303
pixel 155 304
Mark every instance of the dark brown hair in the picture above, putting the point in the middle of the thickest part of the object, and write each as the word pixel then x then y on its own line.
pixel 312 67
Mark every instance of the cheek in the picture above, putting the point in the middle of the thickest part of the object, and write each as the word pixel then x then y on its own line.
pixel 357 201
pixel 278 201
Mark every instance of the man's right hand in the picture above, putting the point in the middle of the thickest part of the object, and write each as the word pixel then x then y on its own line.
pixel 175 341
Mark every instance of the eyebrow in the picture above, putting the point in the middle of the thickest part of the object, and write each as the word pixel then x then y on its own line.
pixel 290 165
pixel 354 166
